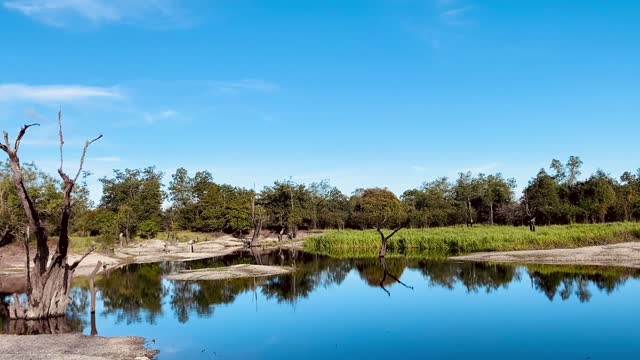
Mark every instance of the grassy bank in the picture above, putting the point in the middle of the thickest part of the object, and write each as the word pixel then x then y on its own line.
pixel 460 239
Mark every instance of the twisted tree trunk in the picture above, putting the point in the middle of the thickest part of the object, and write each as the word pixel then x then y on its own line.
pixel 385 239
pixel 50 281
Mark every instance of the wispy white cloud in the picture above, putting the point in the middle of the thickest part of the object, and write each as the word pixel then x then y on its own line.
pixel 33 114
pixel 152 118
pixel 234 87
pixel 54 93
pixel 64 13
pixel 455 16
pixel 418 168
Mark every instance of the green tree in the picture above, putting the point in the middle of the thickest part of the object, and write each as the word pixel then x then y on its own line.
pixel 573 168
pixel 628 194
pixel 467 191
pixel 433 204
pixel 288 206
pixel 378 208
pixel 598 195
pixel 135 196
pixel 496 190
pixel 330 207
pixel 542 197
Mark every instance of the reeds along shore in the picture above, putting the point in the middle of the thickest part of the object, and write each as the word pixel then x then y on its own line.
pixel 460 239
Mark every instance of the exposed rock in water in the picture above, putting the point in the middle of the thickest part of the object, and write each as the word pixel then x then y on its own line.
pixel 230 272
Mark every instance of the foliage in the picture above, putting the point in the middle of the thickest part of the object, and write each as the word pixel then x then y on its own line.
pixel 148 229
pixel 133 197
pixel 458 239
pixel 376 207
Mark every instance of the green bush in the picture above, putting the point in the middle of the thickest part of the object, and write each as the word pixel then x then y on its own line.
pixel 148 229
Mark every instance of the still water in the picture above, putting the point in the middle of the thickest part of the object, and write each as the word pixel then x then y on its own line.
pixel 364 308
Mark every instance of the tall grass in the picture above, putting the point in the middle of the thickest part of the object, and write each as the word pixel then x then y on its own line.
pixel 461 239
pixel 186 235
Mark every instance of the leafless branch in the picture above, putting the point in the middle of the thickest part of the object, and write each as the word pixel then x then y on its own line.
pixel 61 141
pixel 20 135
pixel 84 153
pixel 395 231
pixel 6 139
pixel 75 264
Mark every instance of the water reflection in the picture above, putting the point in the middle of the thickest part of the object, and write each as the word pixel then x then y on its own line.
pixel 72 323
pixel 134 293
pixel 137 293
pixel 566 281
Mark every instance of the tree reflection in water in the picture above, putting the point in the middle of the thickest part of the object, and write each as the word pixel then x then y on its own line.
pixel 568 280
pixel 136 293
pixel 133 293
pixel 73 322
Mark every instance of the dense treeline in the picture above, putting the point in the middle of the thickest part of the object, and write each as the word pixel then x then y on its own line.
pixel 135 203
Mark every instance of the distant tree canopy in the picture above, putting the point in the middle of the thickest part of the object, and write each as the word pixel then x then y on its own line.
pixel 45 191
pixel 135 203
pixel 131 204
pixel 376 208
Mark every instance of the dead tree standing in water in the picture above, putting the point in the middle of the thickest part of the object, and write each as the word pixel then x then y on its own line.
pixel 92 288
pixel 257 219
pixel 50 282
pixel 385 238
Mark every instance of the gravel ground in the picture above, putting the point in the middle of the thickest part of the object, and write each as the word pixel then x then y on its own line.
pixel 72 347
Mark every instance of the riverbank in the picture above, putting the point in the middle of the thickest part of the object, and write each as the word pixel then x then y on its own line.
pixel 12 257
pixel 449 241
pixel 623 254
pixel 72 346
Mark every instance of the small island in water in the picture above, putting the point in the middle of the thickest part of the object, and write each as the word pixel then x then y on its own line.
pixel 437 179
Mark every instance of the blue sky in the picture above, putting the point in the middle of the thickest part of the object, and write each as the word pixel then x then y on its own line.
pixel 363 93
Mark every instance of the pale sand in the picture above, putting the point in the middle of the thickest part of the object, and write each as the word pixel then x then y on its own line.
pixel 230 272
pixel 623 254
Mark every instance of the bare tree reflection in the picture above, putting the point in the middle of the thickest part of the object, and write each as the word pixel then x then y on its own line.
pixel 386 272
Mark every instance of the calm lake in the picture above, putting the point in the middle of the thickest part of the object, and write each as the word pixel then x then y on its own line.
pixel 364 308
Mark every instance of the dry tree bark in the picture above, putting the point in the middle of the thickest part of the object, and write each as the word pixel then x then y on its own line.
pixel 50 281
pixel 256 219
pixel 385 238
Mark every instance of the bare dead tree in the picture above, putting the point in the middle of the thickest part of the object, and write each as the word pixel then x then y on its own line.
pixel 92 287
pixel 530 217
pixel 50 282
pixel 385 238
pixel 257 218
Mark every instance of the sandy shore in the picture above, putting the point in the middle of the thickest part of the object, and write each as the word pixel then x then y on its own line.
pixel 12 258
pixel 623 254
pixel 72 347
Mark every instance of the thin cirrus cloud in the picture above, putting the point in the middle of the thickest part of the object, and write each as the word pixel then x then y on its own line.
pixel 54 93
pixel 455 16
pixel 65 13
pixel 152 118
pixel 245 85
